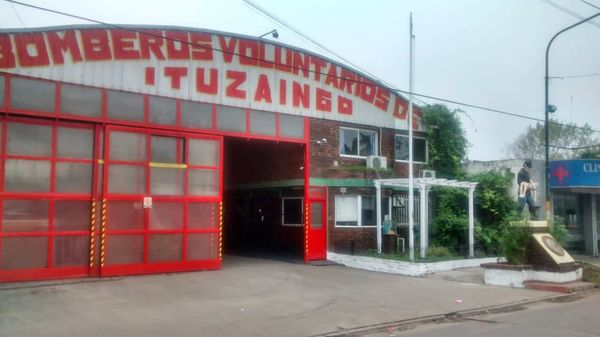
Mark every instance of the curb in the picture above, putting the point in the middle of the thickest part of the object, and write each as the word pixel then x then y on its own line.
pixel 450 316
pixel 50 283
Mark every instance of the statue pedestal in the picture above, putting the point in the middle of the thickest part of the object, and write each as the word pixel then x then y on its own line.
pixel 548 263
pixel 545 253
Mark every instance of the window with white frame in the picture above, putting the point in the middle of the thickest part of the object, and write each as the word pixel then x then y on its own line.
pixel 355 211
pixel 346 210
pixel 292 211
pixel 358 142
pixel 419 149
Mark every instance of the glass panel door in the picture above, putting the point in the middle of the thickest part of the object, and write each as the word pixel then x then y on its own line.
pixel 163 197
pixel 45 199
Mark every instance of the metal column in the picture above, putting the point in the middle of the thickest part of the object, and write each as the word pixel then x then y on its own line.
pixel 378 212
pixel 423 219
pixel 471 222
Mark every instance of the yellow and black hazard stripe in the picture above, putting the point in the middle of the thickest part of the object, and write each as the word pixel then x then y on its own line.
pixel 103 233
pixel 220 230
pixel 306 228
pixel 92 233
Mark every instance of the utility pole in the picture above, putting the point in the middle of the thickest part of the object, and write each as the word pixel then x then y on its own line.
pixel 411 197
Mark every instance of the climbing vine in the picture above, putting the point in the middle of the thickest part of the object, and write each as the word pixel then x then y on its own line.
pixel 446 140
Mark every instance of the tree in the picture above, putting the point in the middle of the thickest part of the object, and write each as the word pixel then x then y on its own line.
pixel 590 153
pixel 493 202
pixel 494 207
pixel 446 140
pixel 447 147
pixel 450 223
pixel 531 143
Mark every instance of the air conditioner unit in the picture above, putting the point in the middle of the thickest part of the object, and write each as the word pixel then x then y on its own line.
pixel 376 162
pixel 427 174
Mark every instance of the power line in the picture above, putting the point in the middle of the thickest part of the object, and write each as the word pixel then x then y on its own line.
pixel 589 3
pixel 392 88
pixel 18 16
pixel 301 34
pixel 309 39
pixel 471 105
pixel 574 148
pixel 500 111
pixel 575 76
pixel 306 37
pixel 568 11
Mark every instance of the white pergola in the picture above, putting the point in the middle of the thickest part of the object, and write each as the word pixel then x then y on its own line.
pixel 424 186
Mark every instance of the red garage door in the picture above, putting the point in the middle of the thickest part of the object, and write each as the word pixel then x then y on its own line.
pixel 46 179
pixel 162 202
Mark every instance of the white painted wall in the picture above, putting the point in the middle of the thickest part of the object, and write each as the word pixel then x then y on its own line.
pixel 517 278
pixel 404 268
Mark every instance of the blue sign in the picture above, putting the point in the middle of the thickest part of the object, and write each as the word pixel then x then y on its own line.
pixel 575 173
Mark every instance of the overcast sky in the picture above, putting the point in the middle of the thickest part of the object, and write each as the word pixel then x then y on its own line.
pixel 488 53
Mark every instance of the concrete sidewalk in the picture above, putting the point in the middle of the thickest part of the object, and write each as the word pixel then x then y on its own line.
pixel 248 297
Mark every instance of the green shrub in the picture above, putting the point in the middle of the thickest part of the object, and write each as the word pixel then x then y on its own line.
pixel 493 202
pixel 514 241
pixel 494 208
pixel 558 230
pixel 449 230
pixel 451 200
pixel 488 239
pixel 450 222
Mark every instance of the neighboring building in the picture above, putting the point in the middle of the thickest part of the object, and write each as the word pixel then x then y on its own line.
pixel 513 166
pixel 153 149
pixel 574 185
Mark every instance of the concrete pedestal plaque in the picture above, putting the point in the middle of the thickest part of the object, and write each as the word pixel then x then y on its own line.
pixel 547 261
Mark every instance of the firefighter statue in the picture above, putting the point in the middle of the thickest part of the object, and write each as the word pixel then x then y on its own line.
pixel 527 190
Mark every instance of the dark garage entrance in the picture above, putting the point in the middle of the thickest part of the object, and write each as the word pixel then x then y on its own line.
pixel 263 198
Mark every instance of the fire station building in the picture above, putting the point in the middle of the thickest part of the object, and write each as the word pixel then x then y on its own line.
pixel 145 149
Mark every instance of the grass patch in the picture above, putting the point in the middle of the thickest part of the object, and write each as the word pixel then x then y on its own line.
pixel 591 273
pixel 406 257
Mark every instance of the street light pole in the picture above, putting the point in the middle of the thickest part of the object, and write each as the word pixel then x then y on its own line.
pixel 548 108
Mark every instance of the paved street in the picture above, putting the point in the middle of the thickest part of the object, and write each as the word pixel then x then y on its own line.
pixel 578 317
pixel 248 297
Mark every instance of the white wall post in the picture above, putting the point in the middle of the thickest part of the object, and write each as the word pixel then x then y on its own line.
pixel 378 212
pixel 427 190
pixel 471 222
pixel 423 219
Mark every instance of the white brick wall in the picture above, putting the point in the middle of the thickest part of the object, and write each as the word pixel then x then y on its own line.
pixel 404 268
pixel 516 278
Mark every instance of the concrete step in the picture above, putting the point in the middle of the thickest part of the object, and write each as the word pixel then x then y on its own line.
pixel 568 287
